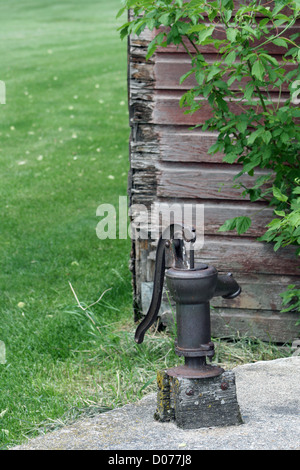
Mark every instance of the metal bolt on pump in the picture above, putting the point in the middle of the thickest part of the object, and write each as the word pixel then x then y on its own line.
pixel 192 286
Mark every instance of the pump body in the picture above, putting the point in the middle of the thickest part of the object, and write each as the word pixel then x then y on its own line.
pixel 192 288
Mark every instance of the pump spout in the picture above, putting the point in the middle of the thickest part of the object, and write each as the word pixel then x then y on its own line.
pixel 227 287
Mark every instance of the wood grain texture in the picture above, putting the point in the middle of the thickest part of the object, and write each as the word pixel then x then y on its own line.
pixel 169 68
pixel 202 182
pixel 264 325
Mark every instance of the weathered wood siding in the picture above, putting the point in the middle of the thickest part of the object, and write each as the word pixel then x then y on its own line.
pixel 169 162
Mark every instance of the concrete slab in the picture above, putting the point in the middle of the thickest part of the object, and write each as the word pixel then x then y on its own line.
pixel 269 399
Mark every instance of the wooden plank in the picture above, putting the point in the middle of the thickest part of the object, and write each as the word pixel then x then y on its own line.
pixel 267 323
pixel 245 255
pixel 201 181
pixel 182 144
pixel 248 256
pixel 267 326
pixel 259 292
pixel 172 144
pixel 217 212
pixel 162 107
pixel 169 68
pixel 166 109
pixel 219 33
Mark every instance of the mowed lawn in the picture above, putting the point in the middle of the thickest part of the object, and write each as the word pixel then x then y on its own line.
pixel 63 151
pixel 64 135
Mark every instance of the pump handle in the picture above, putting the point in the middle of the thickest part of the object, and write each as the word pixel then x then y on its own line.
pixel 170 233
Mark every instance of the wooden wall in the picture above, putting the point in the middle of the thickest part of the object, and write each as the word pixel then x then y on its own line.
pixel 169 162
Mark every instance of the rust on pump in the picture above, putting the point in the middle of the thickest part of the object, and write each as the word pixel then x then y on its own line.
pixel 192 286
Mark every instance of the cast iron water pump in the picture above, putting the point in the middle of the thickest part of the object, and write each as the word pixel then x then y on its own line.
pixel 192 286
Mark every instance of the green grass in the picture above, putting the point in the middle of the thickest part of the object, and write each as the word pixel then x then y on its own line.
pixel 63 134
pixel 64 151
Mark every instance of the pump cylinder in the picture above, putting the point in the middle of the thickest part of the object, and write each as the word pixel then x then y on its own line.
pixel 193 328
pixel 192 289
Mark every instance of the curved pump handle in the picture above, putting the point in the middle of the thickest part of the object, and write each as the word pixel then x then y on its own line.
pixel 170 233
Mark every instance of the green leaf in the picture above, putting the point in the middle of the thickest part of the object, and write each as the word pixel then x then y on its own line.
pixel 196 28
pixel 229 224
pixel 280 42
pixel 278 194
pixel 231 34
pixel 205 34
pixel 120 12
pixel 258 70
pixel 242 224
pixel 255 134
pixel 249 91
pixel 266 137
pixel 185 76
pixel 230 158
pixel 165 19
pixel 230 58
pixel 200 76
pixel 151 49
pixel 213 72
pixel 242 126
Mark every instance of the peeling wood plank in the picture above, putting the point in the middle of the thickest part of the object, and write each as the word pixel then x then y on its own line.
pixel 162 107
pixel 174 144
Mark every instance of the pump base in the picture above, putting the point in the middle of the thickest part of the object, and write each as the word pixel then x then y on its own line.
pixel 205 371
pixel 197 402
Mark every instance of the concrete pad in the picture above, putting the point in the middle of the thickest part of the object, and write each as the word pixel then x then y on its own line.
pixel 269 398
